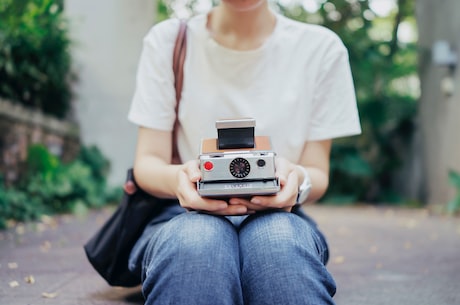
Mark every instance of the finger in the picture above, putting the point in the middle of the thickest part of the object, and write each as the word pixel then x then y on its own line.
pixel 287 196
pixel 247 203
pixel 257 207
pixel 194 201
pixel 284 198
pixel 231 210
pixel 193 170
pixel 238 200
pixel 190 199
pixel 263 202
pixel 282 170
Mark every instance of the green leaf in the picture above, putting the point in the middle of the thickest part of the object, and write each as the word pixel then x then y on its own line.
pixel 354 165
pixel 454 179
pixel 453 206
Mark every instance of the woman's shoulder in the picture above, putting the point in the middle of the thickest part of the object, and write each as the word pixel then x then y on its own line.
pixel 166 30
pixel 309 33
pixel 163 29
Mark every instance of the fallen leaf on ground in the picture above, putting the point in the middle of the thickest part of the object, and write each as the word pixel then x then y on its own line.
pixel 339 260
pixel 41 227
pixel 344 231
pixel 29 279
pixel 46 246
pixel 14 284
pixel 49 221
pixel 20 230
pixel 48 295
pixel 408 245
pixel 410 223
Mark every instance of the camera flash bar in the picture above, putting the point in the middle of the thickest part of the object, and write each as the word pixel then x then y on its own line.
pixel 235 133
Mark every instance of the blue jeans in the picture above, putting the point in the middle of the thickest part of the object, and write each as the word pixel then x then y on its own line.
pixel 267 258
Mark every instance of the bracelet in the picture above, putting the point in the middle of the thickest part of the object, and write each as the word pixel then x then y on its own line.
pixel 304 187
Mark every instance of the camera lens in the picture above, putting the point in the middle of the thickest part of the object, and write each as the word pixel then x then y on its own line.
pixel 240 167
pixel 261 163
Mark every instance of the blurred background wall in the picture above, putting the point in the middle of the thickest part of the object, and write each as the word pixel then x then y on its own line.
pixel 107 37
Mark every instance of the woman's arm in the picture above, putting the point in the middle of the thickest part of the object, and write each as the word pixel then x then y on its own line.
pixel 316 159
pixel 152 168
pixel 156 175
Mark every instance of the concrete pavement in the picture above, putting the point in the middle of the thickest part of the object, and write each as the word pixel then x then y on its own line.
pixel 378 256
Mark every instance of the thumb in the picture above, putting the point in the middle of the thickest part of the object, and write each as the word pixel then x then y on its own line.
pixel 193 171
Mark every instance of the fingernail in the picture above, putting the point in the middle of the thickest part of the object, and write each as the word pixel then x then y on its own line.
pixel 255 201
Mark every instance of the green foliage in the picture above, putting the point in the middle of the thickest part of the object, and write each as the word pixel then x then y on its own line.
pixel 66 187
pixel 95 160
pixel 51 186
pixel 167 8
pixel 163 11
pixel 454 205
pixel 17 205
pixel 35 62
pixel 39 160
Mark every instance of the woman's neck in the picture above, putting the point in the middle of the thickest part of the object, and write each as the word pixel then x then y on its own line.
pixel 241 28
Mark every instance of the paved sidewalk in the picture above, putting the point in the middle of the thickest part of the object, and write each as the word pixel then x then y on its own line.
pixel 379 256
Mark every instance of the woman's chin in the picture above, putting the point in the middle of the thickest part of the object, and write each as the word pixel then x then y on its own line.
pixel 243 5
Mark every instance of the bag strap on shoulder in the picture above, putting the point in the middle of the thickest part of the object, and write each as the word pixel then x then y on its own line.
pixel 179 58
pixel 180 49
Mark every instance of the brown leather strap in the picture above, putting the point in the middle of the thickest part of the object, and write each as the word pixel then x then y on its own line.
pixel 178 68
pixel 179 58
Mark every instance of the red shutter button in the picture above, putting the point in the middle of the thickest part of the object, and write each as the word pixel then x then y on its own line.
pixel 208 165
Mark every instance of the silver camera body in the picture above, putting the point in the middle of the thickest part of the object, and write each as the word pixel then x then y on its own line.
pixel 237 164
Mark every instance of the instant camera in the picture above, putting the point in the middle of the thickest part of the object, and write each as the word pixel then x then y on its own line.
pixel 237 163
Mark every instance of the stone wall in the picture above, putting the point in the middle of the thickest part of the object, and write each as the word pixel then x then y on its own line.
pixel 21 127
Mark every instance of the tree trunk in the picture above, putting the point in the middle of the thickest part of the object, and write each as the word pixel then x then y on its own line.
pixel 438 136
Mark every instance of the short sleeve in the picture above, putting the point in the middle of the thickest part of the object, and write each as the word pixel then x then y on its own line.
pixel 335 112
pixel 154 97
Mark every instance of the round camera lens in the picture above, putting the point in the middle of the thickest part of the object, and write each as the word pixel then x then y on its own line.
pixel 240 167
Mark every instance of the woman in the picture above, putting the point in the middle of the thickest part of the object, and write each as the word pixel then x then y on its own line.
pixel 243 60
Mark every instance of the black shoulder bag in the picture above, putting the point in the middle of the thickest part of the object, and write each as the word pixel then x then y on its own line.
pixel 109 249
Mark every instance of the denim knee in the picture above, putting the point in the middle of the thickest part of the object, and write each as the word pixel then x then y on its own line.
pixel 194 236
pixel 279 232
pixel 278 249
pixel 199 254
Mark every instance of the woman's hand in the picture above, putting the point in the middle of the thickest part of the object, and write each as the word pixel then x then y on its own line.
pixel 284 199
pixel 187 177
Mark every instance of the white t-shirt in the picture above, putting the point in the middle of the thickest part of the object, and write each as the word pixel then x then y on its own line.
pixel 297 85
